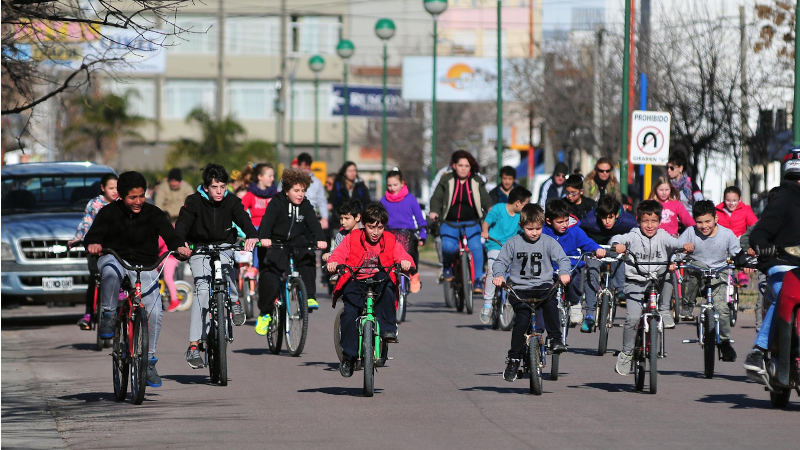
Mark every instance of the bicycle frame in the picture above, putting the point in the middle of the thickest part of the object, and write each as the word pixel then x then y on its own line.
pixel 462 249
pixel 708 275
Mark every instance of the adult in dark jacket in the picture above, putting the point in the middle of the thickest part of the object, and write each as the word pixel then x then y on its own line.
pixel 553 187
pixel 508 181
pixel 131 227
pixel 347 186
pixel 461 198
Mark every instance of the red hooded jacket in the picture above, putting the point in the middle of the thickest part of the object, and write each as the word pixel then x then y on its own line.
pixel 737 221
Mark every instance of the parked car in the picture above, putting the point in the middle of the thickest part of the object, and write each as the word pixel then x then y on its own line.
pixel 42 204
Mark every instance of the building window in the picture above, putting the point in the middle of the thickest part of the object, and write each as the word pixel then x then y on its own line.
pixel 252 35
pixel 464 42
pixel 316 34
pixel 251 99
pixel 304 101
pixel 141 95
pixel 182 96
pixel 196 35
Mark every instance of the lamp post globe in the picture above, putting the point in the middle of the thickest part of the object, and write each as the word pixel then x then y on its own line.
pixel 345 48
pixel 316 63
pixel 384 28
pixel 435 7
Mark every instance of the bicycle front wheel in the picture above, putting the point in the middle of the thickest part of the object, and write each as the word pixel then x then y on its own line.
pixel 709 344
pixel 449 296
pixel 337 334
pixel 400 311
pixel 466 282
pixel 139 347
pixel 120 361
pixel 275 330
pixel 654 348
pixel 506 314
pixel 554 366
pixel 221 339
pixel 535 365
pixel 734 306
pixel 368 357
pixel 296 325
pixel 604 322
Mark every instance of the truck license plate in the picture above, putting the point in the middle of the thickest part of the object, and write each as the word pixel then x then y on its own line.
pixel 53 283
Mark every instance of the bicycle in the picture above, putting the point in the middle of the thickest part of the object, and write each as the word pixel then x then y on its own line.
pixel 502 315
pixel 131 341
pixel 94 324
pixel 536 346
pixel 248 283
pixel 458 292
pixel 184 289
pixel 372 348
pixel 291 308
pixel 708 321
pixel 732 294
pixel 606 307
pixel 649 343
pixel 403 281
pixel 219 314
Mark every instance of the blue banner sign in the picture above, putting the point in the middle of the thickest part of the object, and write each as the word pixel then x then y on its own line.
pixel 366 101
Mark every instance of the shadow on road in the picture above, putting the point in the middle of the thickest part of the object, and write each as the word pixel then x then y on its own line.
pixel 474 326
pixel 189 379
pixel 90 397
pixel 489 374
pixel 328 366
pixel 79 346
pixel 738 401
pixel 338 390
pixel 252 351
pixel 18 322
pixel 608 387
pixel 586 351
pixel 698 374
pixel 500 390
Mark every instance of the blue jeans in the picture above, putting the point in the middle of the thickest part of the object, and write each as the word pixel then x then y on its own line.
pixel 775 276
pixel 450 240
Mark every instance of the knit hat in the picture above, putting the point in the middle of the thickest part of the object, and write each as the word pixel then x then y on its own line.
pixel 561 168
pixel 175 174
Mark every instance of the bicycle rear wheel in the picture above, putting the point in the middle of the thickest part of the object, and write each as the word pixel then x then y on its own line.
pixel 497 301
pixel 449 297
pixel 139 347
pixel 400 312
pixel 466 281
pixel 221 339
pixel 368 357
pixel 734 306
pixel 296 324
pixel 654 349
pixel 554 366
pixel 275 331
pixel 709 344
pixel 535 365
pixel 120 361
pixel 246 297
pixel 506 314
pixel 337 334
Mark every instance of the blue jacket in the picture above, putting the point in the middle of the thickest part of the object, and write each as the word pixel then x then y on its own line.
pixel 572 240
pixel 598 233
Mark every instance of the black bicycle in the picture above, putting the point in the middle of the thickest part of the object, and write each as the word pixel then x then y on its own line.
pixel 131 340
pixel 606 307
pixel 290 315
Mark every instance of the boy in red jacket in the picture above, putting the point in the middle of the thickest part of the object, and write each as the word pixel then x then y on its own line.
pixel 370 249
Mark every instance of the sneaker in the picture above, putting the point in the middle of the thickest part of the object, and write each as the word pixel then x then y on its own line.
pixel 557 347
pixel 415 283
pixel 346 367
pixel 485 312
pixel 193 357
pixel 389 336
pixel 447 274
pixel 262 324
pixel 173 305
pixel 588 324
pixel 728 353
pixel 107 325
pixel 755 362
pixel 477 286
pixel 238 313
pixel 512 367
pixel 623 366
pixel 667 320
pixel 85 323
pixel 153 380
pixel 312 304
pixel 575 314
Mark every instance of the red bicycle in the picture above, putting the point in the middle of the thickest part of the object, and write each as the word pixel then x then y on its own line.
pixel 458 292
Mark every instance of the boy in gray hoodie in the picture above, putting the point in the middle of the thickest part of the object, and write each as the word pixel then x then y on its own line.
pixel 650 244
pixel 529 259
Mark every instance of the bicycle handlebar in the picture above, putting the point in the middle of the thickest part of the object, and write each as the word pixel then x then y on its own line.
pixel 206 249
pixel 506 286
pixel 279 244
pixel 355 270
pixel 138 268
pixel 636 264
pixel 710 272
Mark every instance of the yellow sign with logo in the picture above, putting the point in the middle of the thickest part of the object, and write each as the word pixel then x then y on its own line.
pixel 320 170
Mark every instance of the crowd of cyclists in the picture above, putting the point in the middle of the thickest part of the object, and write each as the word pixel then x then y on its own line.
pixel 512 239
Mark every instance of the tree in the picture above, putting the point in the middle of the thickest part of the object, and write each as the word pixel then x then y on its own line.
pixel 97 124
pixel 222 142
pixel 39 35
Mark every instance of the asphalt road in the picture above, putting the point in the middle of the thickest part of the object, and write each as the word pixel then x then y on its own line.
pixel 443 389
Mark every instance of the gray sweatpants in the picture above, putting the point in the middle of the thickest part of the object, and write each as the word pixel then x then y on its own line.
pixel 488 286
pixel 634 300
pixel 111 272
pixel 203 279
pixel 695 286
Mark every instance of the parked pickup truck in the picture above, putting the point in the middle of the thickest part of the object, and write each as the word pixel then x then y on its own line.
pixel 42 204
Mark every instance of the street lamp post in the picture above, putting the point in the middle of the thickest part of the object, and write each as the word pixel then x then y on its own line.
pixel 434 7
pixel 384 29
pixel 316 64
pixel 345 50
pixel 500 89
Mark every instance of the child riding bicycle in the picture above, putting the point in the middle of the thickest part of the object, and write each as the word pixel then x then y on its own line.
pixel 206 218
pixel 371 249
pixel 529 259
pixel 501 224
pixel 649 243
pixel 405 218
pixel 131 227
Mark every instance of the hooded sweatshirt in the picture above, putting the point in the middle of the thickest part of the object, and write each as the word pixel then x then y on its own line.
pixel 597 232
pixel 204 221
pixel 530 263
pixel 655 249
pixel 572 240
pixel 738 220
pixel 295 224
pixel 404 212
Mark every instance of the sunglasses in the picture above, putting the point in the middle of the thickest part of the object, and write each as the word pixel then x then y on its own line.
pixel 671 168
pixel 603 171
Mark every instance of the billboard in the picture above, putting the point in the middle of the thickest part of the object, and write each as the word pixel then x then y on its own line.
pixel 458 79
pixel 366 101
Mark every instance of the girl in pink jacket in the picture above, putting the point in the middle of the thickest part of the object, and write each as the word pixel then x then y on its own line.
pixel 733 214
pixel 674 212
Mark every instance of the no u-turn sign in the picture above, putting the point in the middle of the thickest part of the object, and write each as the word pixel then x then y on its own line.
pixel 650 137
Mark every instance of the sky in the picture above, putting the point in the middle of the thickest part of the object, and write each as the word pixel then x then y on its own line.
pixel 558 13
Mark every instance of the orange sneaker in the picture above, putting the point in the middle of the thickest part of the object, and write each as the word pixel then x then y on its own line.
pixel 173 305
pixel 415 284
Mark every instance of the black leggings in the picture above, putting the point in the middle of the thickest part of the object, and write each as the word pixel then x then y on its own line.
pixel 272 268
pixel 547 313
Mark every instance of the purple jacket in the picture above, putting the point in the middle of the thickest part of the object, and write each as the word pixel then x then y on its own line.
pixel 405 214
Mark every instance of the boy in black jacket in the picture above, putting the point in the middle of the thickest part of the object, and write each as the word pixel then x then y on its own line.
pixel 207 217
pixel 131 227
pixel 290 219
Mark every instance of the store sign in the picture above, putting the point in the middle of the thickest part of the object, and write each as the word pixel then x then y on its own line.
pixel 457 79
pixel 366 101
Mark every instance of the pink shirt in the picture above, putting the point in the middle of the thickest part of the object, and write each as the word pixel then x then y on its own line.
pixel 674 212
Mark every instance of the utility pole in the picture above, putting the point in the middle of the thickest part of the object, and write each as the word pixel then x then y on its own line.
pixel 743 180
pixel 280 111
pixel 626 58
pixel 220 100
pixel 796 105
pixel 597 98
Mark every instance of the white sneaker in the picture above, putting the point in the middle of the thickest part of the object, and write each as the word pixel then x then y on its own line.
pixel 575 314
pixel 667 320
pixel 485 312
pixel 623 366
